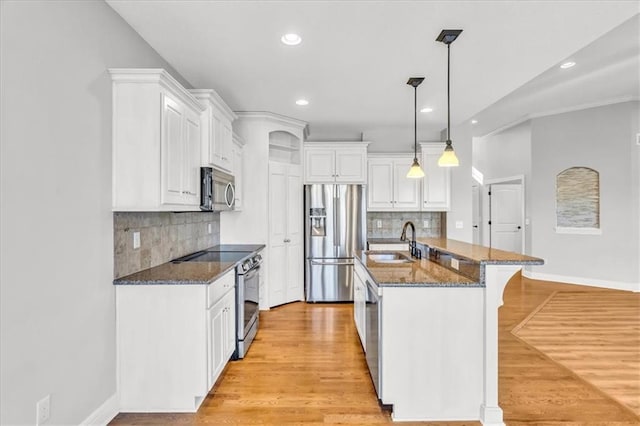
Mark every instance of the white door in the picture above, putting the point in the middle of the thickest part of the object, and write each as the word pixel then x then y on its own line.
pixel 380 187
pixel 506 217
pixel 319 165
pixel 406 190
pixel 476 218
pixel 295 253
pixel 277 233
pixel 351 166
pixel 172 151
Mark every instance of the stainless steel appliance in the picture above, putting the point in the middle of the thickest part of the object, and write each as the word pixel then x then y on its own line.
pixel 248 262
pixel 247 303
pixel 335 226
pixel 217 191
pixel 372 334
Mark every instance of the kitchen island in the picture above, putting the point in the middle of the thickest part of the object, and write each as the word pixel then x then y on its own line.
pixel 429 328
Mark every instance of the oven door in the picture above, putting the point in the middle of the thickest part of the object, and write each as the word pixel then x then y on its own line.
pixel 249 300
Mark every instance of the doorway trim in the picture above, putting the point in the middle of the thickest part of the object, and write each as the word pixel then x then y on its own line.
pixel 486 205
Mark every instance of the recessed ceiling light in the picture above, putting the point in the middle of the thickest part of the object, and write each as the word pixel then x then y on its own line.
pixel 474 121
pixel 291 39
pixel 302 102
pixel 426 109
pixel 567 65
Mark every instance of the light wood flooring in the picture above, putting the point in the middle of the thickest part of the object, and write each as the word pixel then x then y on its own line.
pixel 306 366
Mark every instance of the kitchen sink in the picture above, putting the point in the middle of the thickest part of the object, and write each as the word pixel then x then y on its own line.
pixel 389 257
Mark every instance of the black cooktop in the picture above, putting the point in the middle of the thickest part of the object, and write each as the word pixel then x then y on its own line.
pixel 212 256
pixel 247 248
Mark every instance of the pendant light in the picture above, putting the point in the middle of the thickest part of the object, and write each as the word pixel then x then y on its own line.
pixel 415 171
pixel 448 158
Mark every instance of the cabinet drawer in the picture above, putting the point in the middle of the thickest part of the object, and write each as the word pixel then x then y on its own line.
pixel 220 287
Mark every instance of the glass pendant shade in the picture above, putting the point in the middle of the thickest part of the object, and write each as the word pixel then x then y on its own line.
pixel 448 158
pixel 415 171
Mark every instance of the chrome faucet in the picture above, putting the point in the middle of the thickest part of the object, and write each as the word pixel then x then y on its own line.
pixel 415 252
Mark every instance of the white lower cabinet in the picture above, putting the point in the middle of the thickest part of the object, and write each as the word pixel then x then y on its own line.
pixel 359 302
pixel 173 341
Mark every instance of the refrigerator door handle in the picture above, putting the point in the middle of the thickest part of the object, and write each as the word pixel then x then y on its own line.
pixel 339 263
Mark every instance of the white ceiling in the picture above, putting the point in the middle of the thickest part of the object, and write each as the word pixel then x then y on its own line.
pixel 356 56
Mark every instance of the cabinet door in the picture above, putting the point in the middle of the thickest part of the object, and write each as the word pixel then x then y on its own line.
pixel 406 191
pixel 351 166
pixel 238 171
pixel 294 208
pixel 380 187
pixel 319 165
pixel 191 163
pixel 436 186
pixel 215 144
pixel 229 325
pixel 226 142
pixel 172 151
pixel 216 358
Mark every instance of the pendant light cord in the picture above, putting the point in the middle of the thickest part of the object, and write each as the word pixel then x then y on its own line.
pixel 415 122
pixel 448 94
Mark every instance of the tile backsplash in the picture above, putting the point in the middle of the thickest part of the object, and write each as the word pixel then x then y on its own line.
pixel 163 237
pixel 391 224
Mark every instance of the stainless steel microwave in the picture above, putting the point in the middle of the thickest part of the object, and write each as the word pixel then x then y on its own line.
pixel 218 191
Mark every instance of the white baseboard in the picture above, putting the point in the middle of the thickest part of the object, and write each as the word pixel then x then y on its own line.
pixel 614 285
pixel 104 413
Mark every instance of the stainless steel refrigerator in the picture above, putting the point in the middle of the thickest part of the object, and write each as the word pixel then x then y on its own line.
pixel 335 225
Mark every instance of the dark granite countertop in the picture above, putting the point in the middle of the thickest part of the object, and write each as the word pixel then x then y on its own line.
pixel 419 273
pixel 480 254
pixel 189 273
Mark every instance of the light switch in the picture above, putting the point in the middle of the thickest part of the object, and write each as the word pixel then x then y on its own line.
pixel 455 263
pixel 136 239
pixel 379 223
pixel 425 224
pixel 209 228
pixel 459 224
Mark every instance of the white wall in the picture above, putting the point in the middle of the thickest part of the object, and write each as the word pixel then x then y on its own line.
pixel 604 139
pixel 461 182
pixel 503 155
pixel 56 264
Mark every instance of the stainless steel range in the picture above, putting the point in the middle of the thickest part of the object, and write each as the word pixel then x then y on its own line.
pixel 247 286
pixel 247 303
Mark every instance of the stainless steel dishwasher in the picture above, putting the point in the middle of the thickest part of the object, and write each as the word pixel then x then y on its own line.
pixel 372 334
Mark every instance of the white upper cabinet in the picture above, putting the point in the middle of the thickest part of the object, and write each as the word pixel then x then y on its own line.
pixel 217 133
pixel 238 170
pixel 343 162
pixel 156 142
pixel 389 188
pixel 436 190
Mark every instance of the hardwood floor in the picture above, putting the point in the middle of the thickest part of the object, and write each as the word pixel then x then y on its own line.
pixel 307 366
pixel 576 329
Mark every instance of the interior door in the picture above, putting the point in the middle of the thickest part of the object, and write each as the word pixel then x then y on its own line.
pixel 295 254
pixel 476 218
pixel 506 217
pixel 277 233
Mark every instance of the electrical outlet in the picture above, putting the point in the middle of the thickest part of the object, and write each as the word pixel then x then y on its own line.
pixel 209 228
pixel 43 410
pixel 459 224
pixel 455 263
pixel 136 240
pixel 426 224
pixel 379 224
pixel 638 139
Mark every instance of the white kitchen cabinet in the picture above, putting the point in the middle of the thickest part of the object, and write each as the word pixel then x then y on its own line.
pixel 388 187
pixel 436 188
pixel 285 233
pixel 217 133
pixel 221 335
pixel 238 170
pixel 173 341
pixel 344 162
pixel 156 143
pixel 359 302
